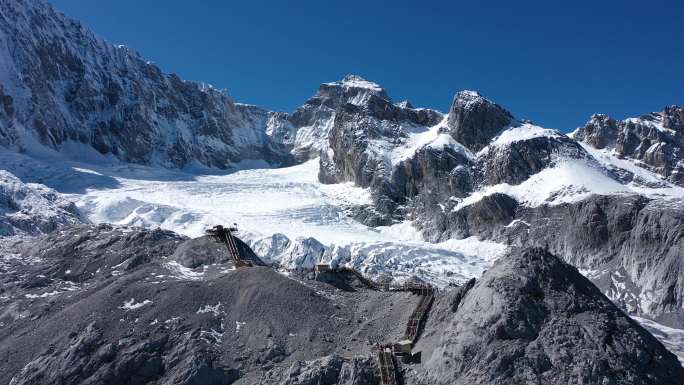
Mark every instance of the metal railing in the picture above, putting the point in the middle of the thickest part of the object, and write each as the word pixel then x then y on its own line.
pixel 225 235
pixel 388 368
pixel 389 372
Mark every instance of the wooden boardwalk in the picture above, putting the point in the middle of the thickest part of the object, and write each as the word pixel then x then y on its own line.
pixel 388 369
pixel 417 318
pixel 389 372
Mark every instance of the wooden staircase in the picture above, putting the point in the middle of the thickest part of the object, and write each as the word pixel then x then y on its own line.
pixel 225 235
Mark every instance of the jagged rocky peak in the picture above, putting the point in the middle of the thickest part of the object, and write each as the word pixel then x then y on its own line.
pixel 599 132
pixel 655 140
pixel 474 120
pixel 673 118
pixel 352 89
pixel 313 120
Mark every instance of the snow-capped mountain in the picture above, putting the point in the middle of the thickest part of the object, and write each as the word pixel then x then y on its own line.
pixel 92 132
pixel 654 141
pixel 61 84
pixel 481 172
pixel 476 171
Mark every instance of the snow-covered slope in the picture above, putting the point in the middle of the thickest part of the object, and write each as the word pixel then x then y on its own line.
pixel 60 84
pixel 286 215
pixel 31 208
pixel 571 180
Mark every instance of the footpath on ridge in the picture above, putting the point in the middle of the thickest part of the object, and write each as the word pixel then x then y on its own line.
pixel 388 353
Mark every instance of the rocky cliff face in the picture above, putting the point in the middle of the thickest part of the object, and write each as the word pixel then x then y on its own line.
pixel 629 246
pixel 654 141
pixel 481 172
pixel 534 319
pixel 365 141
pixel 60 83
pixel 474 120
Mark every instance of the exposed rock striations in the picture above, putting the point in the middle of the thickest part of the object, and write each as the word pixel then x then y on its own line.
pixel 655 141
pixel 534 319
pixel 474 120
pixel 62 85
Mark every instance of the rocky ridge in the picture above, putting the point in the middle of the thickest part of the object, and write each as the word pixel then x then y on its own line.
pixel 534 319
pixel 655 141
pixel 62 86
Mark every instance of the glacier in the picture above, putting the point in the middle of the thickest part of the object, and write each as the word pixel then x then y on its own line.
pixel 285 214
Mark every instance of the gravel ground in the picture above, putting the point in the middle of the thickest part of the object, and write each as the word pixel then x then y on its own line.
pixel 124 292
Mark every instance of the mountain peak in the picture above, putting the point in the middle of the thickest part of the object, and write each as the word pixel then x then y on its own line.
pixel 468 95
pixel 526 312
pixel 673 118
pixel 352 89
pixel 474 120
pixel 357 81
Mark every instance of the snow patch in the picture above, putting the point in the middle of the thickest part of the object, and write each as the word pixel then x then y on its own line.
pixel 216 309
pixel 672 338
pixel 181 272
pixel 44 295
pixel 430 137
pixel 239 325
pixel 355 81
pixel 132 305
pixel 570 180
pixel 525 131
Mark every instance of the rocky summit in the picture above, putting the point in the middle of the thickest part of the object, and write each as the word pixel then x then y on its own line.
pixel 534 319
pixel 362 240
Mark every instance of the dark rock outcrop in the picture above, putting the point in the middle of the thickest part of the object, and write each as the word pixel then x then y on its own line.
pixel 534 319
pixel 515 162
pixel 474 120
pixel 629 245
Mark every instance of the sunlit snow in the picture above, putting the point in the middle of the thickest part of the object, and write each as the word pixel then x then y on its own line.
pixel 268 205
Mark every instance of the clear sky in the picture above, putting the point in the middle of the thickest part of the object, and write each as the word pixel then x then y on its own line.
pixel 554 62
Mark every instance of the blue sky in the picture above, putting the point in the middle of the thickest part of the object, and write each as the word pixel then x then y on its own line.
pixel 553 62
